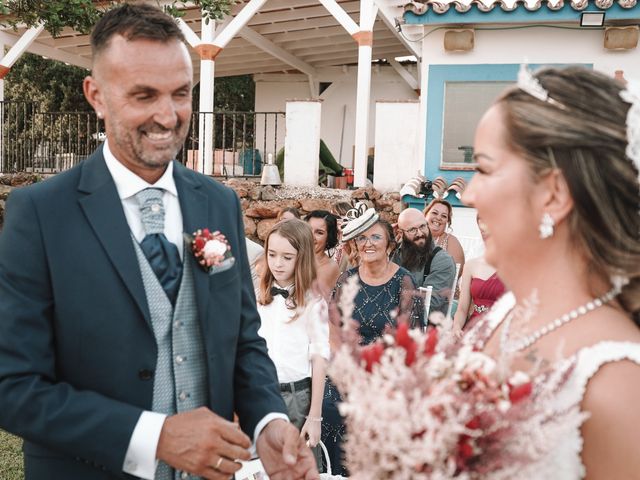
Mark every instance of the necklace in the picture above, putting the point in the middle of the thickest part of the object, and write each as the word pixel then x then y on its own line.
pixel 554 324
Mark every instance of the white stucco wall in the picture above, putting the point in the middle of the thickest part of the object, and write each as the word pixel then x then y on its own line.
pixel 532 45
pixel 538 45
pixel 339 100
pixel 272 97
pixel 302 144
pixel 395 158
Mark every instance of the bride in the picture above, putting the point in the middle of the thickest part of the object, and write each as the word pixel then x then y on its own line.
pixel 557 187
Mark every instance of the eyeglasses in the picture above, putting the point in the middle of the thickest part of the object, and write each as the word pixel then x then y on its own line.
pixel 412 231
pixel 374 239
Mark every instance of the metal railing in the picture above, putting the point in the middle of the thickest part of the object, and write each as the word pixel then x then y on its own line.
pixel 45 142
pixel 240 144
pixel 50 142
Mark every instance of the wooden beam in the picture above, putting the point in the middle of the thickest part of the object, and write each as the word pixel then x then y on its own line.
pixel 190 36
pixel 258 64
pixel 274 50
pixel 389 20
pixel 225 58
pixel 347 57
pixel 330 89
pixel 367 16
pixel 20 46
pixel 73 41
pixel 309 13
pixel 314 87
pixel 318 32
pixel 49 52
pixel 339 42
pixel 248 70
pixel 341 16
pixel 278 5
pixel 295 25
pixel 238 22
pixel 307 50
pixel 404 73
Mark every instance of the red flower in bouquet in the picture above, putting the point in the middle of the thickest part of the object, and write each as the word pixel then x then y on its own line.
pixel 420 405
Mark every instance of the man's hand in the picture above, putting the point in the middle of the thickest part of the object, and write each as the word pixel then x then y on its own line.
pixel 202 443
pixel 284 454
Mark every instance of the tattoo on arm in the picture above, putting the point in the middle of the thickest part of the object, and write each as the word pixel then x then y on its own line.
pixel 538 362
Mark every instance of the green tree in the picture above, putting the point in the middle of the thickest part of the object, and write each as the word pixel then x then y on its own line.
pixel 37 92
pixel 53 85
pixel 42 94
pixel 231 94
pixel 81 15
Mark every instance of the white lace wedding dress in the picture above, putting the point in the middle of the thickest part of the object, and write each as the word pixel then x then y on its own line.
pixel 564 462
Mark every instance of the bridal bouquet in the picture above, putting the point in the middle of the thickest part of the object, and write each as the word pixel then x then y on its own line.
pixel 419 405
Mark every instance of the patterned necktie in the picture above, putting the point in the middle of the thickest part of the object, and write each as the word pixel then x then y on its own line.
pixel 163 256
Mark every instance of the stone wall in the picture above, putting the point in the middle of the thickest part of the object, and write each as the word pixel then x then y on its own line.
pixel 9 182
pixel 261 204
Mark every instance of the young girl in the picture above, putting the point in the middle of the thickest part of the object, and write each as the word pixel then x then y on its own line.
pixel 295 323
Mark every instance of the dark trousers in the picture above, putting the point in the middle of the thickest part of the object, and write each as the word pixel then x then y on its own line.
pixel 298 402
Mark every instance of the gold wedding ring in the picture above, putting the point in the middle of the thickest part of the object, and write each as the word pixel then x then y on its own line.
pixel 218 463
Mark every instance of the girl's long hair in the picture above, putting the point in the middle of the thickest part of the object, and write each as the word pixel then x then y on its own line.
pixel 298 233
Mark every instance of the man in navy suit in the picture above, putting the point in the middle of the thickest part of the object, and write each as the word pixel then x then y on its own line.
pixel 84 359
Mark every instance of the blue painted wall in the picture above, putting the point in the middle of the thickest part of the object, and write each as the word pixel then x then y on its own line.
pixel 438 76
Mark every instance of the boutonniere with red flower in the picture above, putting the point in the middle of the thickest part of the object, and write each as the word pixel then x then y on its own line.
pixel 212 250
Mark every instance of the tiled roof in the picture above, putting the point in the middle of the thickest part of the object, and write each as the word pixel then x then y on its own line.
pixel 420 7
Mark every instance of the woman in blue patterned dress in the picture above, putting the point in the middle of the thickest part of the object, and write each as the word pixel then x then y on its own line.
pixel 386 291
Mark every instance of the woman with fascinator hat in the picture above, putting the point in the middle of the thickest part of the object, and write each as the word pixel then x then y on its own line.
pixel 385 291
pixel 557 188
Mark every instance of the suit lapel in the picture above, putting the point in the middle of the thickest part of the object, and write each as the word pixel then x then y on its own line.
pixel 194 205
pixel 103 209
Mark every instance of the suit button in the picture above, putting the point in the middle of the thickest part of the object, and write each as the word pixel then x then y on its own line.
pixel 145 374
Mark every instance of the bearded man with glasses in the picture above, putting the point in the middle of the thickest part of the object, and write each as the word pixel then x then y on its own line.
pixel 429 265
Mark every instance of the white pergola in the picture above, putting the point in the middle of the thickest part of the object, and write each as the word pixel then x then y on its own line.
pixel 265 36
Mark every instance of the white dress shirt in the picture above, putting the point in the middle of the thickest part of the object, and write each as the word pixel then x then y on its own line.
pixel 129 184
pixel 140 458
pixel 293 343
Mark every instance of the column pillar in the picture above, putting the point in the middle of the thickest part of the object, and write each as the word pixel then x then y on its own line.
pixel 206 107
pixel 365 42
pixel 302 142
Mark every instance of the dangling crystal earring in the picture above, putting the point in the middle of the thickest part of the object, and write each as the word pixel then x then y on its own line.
pixel 546 226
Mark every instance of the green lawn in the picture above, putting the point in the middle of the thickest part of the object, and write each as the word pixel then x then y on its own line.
pixel 10 457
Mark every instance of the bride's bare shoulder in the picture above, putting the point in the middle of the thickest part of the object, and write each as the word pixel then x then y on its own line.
pixel 608 324
pixel 611 434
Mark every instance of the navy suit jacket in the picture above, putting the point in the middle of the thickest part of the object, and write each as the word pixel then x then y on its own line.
pixel 76 344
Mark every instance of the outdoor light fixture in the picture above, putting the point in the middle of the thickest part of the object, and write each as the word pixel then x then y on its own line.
pixel 592 19
pixel 621 38
pixel 459 40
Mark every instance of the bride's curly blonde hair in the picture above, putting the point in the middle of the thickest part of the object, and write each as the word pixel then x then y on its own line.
pixel 586 140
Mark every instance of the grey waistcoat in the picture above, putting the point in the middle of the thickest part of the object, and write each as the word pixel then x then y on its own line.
pixel 180 379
